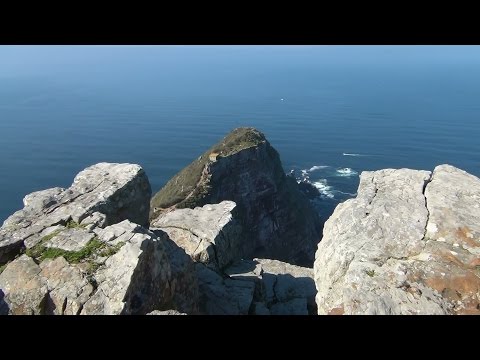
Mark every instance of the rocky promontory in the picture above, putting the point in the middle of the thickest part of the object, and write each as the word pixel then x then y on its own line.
pixel 276 216
pixel 92 249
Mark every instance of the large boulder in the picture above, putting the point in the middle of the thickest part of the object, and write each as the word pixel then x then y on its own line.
pixel 278 219
pixel 210 234
pixel 116 191
pixel 407 244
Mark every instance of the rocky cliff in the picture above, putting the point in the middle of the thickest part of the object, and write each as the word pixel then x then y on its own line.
pixel 275 215
pixel 83 250
pixel 409 243
pixel 87 250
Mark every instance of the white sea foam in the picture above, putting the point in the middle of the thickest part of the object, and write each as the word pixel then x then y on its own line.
pixel 346 193
pixel 318 167
pixel 346 172
pixel 324 188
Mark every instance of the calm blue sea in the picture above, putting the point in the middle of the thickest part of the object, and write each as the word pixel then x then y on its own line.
pixel 331 111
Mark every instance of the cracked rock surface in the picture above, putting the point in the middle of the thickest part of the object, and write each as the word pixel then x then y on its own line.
pixel 407 244
pixel 257 287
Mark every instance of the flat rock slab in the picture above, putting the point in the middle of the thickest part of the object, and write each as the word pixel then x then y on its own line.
pixel 70 239
pixel 200 230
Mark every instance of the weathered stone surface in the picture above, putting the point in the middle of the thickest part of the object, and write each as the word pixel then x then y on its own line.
pixel 89 256
pixel 36 238
pixel 292 282
pixel 94 220
pixel 209 234
pixel 117 233
pixel 114 192
pixel 70 239
pixel 24 290
pixel 183 280
pixel 135 280
pixel 68 287
pixel 279 221
pixel 166 312
pixel 223 296
pixel 257 287
pixel 405 245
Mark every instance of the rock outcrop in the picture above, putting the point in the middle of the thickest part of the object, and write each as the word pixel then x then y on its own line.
pixel 257 287
pixel 214 239
pixel 210 234
pixel 83 250
pixel 278 219
pixel 409 243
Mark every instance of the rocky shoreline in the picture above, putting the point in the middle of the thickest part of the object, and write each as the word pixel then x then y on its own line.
pixel 232 234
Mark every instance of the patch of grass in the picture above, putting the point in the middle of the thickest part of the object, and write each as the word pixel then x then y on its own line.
pixel 37 250
pixel 73 225
pixel 370 273
pixel 41 252
pixel 112 250
pixel 92 267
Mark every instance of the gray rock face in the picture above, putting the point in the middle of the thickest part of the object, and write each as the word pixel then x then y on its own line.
pixel 408 244
pixel 135 280
pixel 257 287
pixel 209 234
pixel 85 255
pixel 24 290
pixel 68 288
pixel 183 281
pixel 220 295
pixel 118 191
pixel 278 220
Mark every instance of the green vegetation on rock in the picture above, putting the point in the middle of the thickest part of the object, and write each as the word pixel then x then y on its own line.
pixel 112 250
pixel 370 273
pixel 191 185
pixel 41 252
pixel 73 225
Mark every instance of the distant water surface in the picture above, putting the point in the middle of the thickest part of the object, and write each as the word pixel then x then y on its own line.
pixel 345 109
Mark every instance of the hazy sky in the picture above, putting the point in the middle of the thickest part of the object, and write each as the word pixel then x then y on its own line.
pixel 45 60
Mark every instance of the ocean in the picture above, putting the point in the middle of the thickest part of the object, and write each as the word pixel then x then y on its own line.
pixel 331 111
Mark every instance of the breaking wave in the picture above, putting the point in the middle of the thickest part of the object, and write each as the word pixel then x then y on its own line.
pixel 317 167
pixel 324 188
pixel 346 172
